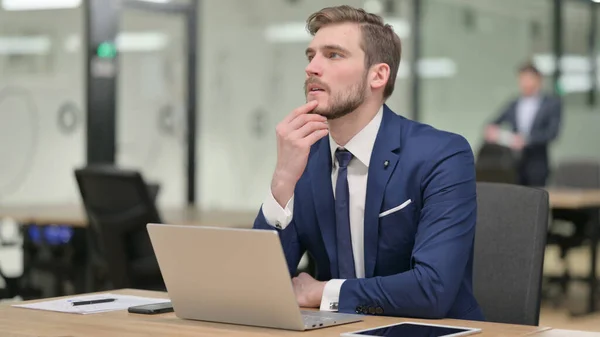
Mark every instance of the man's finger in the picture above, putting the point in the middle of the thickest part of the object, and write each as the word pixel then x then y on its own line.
pixel 303 109
pixel 307 129
pixel 304 275
pixel 301 120
pixel 315 136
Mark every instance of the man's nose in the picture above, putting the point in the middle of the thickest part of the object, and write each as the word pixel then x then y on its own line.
pixel 314 68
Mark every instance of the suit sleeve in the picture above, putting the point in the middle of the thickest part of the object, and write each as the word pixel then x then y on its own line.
pixel 504 115
pixel 552 130
pixel 443 243
pixel 288 235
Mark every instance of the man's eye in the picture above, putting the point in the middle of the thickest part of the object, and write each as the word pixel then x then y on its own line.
pixel 334 55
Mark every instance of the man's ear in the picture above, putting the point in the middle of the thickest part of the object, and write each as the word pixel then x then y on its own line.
pixel 379 75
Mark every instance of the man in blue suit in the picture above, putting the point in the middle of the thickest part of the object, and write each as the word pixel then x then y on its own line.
pixel 385 206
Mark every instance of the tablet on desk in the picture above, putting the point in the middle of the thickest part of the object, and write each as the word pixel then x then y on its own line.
pixel 413 329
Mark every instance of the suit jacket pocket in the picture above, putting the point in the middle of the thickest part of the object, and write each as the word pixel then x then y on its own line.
pixel 395 209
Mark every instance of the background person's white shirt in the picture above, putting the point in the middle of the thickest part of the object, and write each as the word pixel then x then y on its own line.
pixel 527 108
pixel 361 146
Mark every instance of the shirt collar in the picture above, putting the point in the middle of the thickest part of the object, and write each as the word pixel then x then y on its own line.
pixel 361 145
pixel 535 97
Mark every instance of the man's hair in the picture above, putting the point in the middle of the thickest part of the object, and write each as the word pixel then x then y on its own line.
pixel 379 41
pixel 530 68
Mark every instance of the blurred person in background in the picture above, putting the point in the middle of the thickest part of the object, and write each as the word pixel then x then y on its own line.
pixel 534 119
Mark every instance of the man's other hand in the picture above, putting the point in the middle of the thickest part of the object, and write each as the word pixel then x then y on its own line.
pixel 492 133
pixel 308 290
pixel 518 142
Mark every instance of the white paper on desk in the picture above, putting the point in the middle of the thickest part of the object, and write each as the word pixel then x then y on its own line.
pixel 64 305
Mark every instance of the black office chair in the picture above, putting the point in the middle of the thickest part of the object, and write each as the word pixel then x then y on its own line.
pixel 512 222
pixel 582 174
pixel 496 163
pixel 119 204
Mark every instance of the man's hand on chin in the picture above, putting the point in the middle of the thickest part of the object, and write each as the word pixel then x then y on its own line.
pixel 308 290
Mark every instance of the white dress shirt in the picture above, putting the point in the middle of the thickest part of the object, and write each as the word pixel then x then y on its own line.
pixel 527 108
pixel 361 146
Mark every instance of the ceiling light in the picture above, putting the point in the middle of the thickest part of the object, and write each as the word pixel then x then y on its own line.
pixel 141 41
pixel 25 5
pixel 440 67
pixel 289 32
pixel 126 42
pixel 373 6
pixel 294 32
pixel 25 45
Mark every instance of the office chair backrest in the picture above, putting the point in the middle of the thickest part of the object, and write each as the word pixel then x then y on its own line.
pixel 512 222
pixel 496 163
pixel 119 205
pixel 577 174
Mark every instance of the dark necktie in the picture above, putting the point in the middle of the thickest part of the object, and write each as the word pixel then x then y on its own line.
pixel 342 217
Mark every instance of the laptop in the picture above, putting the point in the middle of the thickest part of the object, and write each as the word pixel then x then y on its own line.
pixel 236 276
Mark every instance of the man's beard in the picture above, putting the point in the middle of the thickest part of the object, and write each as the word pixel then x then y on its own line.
pixel 343 103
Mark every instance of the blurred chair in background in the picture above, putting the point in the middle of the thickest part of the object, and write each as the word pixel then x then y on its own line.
pixel 119 204
pixel 496 163
pixel 512 223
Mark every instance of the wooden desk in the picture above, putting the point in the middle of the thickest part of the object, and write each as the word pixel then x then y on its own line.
pixel 27 322
pixel 74 215
pixel 574 198
pixel 566 333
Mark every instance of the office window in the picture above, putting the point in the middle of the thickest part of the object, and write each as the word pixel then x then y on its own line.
pixel 471 53
pixel 42 115
pixel 579 135
pixel 152 100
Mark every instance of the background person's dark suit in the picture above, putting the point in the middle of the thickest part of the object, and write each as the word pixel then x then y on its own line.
pixel 534 161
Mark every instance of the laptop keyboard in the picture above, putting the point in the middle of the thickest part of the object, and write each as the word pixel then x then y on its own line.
pixel 316 319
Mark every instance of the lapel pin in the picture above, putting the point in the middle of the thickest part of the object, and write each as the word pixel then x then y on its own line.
pixel 386 163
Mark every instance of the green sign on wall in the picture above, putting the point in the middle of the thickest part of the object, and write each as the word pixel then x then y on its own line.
pixel 106 50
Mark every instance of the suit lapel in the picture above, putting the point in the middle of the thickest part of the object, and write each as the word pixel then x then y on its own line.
pixel 320 173
pixel 513 116
pixel 385 150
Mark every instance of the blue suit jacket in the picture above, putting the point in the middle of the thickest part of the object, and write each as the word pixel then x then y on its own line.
pixel 418 261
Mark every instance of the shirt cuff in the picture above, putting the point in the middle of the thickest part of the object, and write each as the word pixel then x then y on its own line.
pixel 275 215
pixel 331 295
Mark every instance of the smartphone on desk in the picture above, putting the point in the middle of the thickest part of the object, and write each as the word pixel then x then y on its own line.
pixel 151 309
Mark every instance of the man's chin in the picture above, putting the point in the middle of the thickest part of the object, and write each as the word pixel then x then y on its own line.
pixel 321 112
